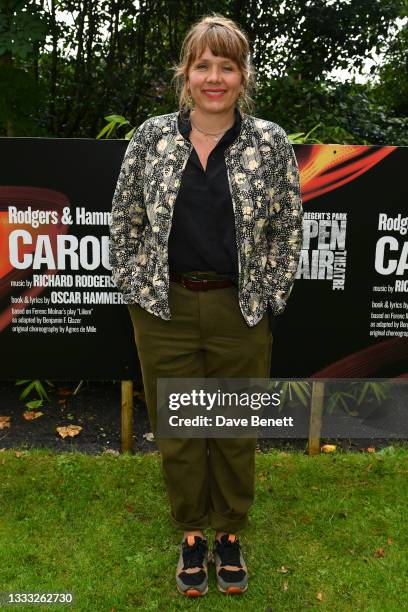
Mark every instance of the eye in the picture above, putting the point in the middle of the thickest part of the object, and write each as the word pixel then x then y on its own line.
pixel 200 66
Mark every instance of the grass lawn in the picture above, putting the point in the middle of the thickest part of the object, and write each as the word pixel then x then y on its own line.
pixel 327 533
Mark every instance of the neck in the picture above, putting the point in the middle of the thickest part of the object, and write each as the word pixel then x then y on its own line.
pixel 213 122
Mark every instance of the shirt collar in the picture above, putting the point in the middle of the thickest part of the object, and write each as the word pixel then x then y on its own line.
pixel 184 126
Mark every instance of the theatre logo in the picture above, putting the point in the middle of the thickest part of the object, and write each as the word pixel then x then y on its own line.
pixel 323 255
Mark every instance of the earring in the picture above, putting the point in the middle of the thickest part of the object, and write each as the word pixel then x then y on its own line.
pixel 189 100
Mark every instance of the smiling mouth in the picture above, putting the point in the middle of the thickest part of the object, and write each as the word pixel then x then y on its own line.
pixel 214 93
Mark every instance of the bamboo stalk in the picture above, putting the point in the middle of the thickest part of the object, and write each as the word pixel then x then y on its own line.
pixel 127 415
pixel 316 418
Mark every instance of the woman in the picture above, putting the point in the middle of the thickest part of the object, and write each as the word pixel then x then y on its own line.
pixel 205 239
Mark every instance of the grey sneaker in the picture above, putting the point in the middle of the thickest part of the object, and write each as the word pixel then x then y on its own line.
pixel 192 570
pixel 230 568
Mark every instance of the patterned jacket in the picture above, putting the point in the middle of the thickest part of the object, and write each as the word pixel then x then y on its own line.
pixel 264 184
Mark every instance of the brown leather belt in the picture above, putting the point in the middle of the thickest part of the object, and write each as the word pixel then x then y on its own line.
pixel 201 284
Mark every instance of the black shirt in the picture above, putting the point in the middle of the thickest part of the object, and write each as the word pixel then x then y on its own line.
pixel 202 235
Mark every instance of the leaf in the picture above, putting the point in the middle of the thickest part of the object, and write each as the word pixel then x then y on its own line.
pixel 106 130
pixel 29 415
pixel 285 586
pixel 113 122
pixel 5 421
pixel 380 552
pixel 27 390
pixel 64 391
pixel 371 449
pixel 319 596
pixel 35 404
pixel 119 119
pixel 149 436
pixel 69 430
pixel 329 448
pixel 282 570
pixel 129 134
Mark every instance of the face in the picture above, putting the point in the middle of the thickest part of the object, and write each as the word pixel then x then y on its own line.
pixel 215 82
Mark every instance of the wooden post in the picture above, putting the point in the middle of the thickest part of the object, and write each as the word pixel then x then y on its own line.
pixel 316 417
pixel 127 416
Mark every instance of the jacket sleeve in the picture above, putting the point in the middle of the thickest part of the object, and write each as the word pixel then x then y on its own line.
pixel 285 227
pixel 128 216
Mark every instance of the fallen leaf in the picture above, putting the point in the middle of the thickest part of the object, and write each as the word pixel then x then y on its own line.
pixel 282 570
pixel 69 430
pixel 5 422
pixel 62 401
pixel 149 436
pixel 285 586
pixel 328 448
pixel 18 454
pixel 64 391
pixel 129 508
pixel 380 552
pixel 29 415
pixel 389 541
pixel 319 596
pixel 371 449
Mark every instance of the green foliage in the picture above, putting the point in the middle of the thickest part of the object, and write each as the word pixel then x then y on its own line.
pixel 34 404
pixel 302 138
pixel 34 386
pixel 358 393
pixel 289 391
pixel 392 89
pixel 22 25
pixel 117 58
pixel 115 122
pixel 349 398
pixel 20 97
pixel 345 113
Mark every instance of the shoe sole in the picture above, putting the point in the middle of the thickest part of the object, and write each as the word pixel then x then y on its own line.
pixel 232 590
pixel 193 592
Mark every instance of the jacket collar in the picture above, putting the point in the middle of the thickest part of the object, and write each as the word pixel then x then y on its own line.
pixel 245 132
pixel 184 127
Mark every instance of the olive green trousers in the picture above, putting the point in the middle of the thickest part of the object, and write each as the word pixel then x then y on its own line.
pixel 210 482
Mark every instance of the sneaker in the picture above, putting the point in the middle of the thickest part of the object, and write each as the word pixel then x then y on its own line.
pixel 230 568
pixel 192 571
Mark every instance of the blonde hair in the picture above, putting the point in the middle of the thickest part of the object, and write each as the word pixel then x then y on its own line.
pixel 225 39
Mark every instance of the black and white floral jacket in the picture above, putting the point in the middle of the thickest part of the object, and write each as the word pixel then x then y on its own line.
pixel 264 183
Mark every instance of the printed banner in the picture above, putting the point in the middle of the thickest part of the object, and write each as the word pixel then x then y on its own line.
pixel 62 318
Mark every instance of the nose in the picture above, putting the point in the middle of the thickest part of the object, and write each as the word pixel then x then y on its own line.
pixel 214 74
